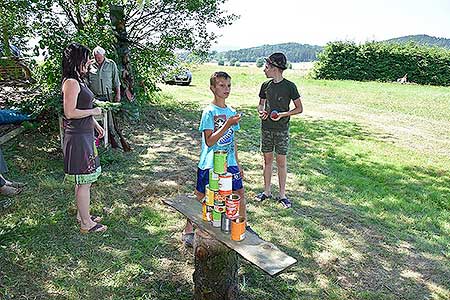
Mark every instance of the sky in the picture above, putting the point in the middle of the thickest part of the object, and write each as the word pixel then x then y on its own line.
pixel 317 22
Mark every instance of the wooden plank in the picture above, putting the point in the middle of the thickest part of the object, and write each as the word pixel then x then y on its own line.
pixel 261 253
pixel 11 134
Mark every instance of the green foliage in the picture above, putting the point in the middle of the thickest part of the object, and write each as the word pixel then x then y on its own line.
pixel 384 62
pixel 260 62
pixel 155 30
pixel 221 62
pixel 232 62
pixel 14 25
pixel 237 64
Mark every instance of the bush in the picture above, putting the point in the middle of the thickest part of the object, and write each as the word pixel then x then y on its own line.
pixel 384 62
pixel 237 64
pixel 232 62
pixel 260 62
pixel 221 62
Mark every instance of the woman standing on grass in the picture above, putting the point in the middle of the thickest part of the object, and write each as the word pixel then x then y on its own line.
pixel 81 161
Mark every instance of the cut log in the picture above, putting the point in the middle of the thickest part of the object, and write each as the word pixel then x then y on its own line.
pixel 216 269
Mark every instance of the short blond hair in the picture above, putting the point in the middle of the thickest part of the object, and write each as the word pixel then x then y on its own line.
pixel 219 74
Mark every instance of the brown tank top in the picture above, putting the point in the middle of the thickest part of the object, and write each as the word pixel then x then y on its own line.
pixel 84 101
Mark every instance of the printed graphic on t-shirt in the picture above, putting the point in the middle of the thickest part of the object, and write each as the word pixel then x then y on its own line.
pixel 227 138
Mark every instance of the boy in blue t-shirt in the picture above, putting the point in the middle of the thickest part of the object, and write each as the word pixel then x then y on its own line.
pixel 218 124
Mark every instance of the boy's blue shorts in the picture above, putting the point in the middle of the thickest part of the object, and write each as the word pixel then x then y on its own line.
pixel 203 179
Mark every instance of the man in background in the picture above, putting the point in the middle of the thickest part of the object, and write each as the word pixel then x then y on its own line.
pixel 103 81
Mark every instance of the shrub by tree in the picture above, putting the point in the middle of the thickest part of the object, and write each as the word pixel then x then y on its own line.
pixel 221 62
pixel 237 64
pixel 232 62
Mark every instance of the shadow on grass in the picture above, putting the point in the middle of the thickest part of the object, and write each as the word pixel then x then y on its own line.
pixel 357 227
pixel 370 229
pixel 44 256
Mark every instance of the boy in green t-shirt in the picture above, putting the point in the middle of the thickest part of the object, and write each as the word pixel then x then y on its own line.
pixel 275 96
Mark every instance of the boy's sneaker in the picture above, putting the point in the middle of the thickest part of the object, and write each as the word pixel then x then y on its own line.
pixel 261 197
pixel 188 239
pixel 285 202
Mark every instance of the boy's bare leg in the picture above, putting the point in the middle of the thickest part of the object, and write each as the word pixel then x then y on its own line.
pixel 282 174
pixel 267 171
pixel 189 228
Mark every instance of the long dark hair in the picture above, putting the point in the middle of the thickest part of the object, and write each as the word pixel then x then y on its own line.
pixel 74 56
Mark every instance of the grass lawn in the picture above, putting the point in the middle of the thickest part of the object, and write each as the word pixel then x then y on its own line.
pixel 369 175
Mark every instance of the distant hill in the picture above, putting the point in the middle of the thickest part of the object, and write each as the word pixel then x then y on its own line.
pixel 295 52
pixel 422 39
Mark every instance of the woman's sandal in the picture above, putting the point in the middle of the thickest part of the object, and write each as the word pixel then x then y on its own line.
pixel 95 219
pixel 96 228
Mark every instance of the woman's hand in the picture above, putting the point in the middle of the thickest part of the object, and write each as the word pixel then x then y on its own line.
pixel 96 111
pixel 100 131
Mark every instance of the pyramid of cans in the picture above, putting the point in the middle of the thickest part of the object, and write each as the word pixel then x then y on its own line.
pixel 220 205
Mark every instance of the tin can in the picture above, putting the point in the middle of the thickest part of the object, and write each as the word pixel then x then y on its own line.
pixel 220 162
pixel 219 206
pixel 238 229
pixel 225 184
pixel 232 206
pixel 213 180
pixel 220 198
pixel 225 224
pixel 217 216
pixel 210 196
pixel 209 213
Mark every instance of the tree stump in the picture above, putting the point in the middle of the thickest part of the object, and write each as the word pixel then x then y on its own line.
pixel 216 269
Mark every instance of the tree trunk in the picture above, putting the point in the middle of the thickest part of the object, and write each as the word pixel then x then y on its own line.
pixel 117 16
pixel 216 269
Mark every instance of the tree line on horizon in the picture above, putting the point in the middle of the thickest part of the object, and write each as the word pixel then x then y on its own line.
pixel 297 52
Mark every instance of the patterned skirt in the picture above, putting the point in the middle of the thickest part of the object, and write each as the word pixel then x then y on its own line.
pixel 81 160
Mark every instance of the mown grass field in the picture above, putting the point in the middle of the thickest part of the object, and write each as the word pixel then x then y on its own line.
pixel 368 174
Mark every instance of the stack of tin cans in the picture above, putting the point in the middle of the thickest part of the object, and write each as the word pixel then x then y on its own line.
pixel 220 205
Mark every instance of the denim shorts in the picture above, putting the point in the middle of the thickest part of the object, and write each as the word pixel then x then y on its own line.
pixel 203 179
pixel 274 140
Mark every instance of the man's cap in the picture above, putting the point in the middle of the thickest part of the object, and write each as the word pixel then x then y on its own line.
pixel 278 60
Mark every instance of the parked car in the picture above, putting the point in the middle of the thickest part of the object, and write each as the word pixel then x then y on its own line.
pixel 183 77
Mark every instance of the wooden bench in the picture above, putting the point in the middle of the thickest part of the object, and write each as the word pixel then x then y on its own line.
pixel 213 247
pixel 103 118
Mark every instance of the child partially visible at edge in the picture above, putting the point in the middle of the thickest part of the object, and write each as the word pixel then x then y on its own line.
pixel 218 126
